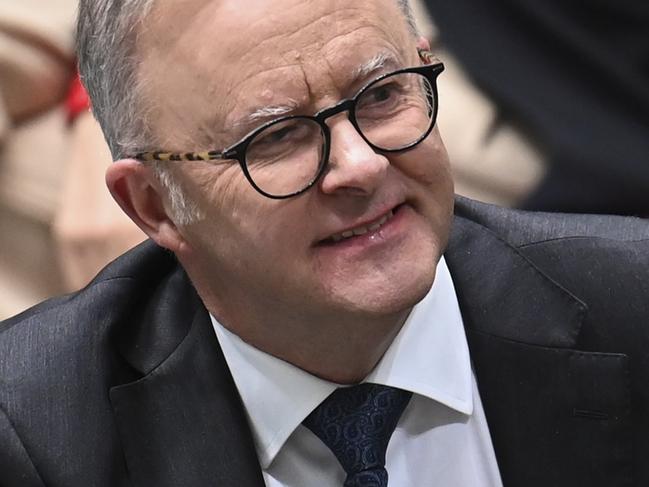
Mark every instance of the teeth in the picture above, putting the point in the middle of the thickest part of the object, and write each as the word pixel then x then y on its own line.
pixel 362 230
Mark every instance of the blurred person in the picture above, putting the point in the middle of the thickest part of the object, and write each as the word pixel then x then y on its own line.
pixel 89 227
pixel 570 78
pixel 36 39
pixel 491 159
pixel 62 191
pixel 35 60
pixel 314 307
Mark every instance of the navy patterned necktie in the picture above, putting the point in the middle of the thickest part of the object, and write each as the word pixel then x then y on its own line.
pixel 356 423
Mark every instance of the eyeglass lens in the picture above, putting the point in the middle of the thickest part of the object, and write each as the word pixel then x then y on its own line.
pixel 392 114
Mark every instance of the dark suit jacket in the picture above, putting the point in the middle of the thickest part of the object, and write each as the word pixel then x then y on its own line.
pixel 124 383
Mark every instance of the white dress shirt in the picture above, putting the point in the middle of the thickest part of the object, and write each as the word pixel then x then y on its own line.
pixel 442 438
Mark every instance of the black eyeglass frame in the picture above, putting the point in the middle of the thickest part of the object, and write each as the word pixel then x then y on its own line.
pixel 237 151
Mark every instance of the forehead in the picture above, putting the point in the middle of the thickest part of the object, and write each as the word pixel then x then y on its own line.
pixel 205 62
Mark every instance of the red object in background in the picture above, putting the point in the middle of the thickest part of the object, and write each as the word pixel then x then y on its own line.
pixel 77 100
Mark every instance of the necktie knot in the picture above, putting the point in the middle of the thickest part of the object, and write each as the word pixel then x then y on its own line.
pixel 356 424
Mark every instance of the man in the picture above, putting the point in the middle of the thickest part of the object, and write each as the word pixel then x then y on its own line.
pixel 285 153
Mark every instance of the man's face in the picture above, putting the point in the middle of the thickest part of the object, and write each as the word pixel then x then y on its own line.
pixel 257 262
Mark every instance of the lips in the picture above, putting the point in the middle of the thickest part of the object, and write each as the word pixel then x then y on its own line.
pixel 362 229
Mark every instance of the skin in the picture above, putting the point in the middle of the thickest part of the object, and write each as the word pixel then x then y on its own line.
pixel 260 265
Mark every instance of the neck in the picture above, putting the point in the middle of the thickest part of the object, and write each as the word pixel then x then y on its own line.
pixel 336 343
pixel 345 351
pixel 340 349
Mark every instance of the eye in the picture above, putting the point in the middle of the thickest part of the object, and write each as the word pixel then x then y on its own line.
pixel 282 138
pixel 380 93
pixel 277 134
pixel 384 95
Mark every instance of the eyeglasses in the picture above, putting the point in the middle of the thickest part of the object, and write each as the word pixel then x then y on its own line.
pixel 285 157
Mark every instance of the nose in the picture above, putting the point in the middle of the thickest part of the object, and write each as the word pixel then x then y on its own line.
pixel 354 167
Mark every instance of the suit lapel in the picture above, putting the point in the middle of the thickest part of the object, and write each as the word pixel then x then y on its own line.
pixel 183 422
pixel 557 416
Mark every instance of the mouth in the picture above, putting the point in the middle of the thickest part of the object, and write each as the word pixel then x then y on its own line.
pixel 363 229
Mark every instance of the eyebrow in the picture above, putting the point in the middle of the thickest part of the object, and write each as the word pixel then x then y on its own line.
pixel 378 62
pixel 268 112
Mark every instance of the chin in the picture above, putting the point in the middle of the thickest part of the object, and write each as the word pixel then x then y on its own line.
pixel 389 294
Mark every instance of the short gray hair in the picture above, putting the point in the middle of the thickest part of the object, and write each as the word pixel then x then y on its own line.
pixel 106 37
pixel 107 32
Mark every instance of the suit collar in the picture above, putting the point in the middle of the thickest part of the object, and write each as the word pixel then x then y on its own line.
pixel 182 421
pixel 502 293
pixel 535 386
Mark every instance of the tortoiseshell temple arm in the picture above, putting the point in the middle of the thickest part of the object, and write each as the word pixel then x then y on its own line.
pixel 426 56
pixel 177 156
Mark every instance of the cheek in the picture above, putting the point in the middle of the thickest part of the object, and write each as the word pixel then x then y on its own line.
pixel 427 163
pixel 228 205
pixel 226 195
pixel 245 222
pixel 220 186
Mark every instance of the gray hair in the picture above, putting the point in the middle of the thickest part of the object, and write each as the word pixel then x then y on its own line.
pixel 106 37
pixel 107 32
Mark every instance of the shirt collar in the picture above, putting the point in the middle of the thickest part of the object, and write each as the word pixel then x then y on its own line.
pixel 429 357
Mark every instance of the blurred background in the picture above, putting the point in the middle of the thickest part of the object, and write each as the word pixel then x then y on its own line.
pixel 58 223
pixel 544 105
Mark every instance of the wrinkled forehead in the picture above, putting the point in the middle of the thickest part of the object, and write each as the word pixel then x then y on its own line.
pixel 203 62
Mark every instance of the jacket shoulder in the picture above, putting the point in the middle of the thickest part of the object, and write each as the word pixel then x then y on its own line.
pixel 60 359
pixel 521 228
pixel 80 324
pixel 602 261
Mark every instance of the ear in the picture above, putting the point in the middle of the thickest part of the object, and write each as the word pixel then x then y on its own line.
pixel 423 43
pixel 139 194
